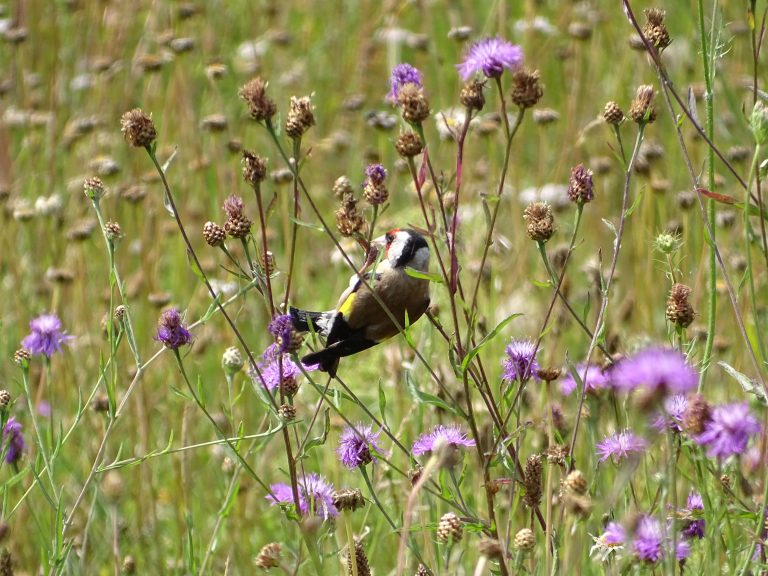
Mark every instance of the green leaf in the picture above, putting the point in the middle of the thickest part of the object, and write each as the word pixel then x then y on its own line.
pixel 432 277
pixel 318 440
pixel 382 404
pixel 426 398
pixel 635 204
pixel 485 341
pixel 541 284
pixel 750 386
pixel 309 225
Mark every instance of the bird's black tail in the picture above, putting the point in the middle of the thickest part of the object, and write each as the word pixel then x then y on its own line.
pixel 306 321
pixel 328 358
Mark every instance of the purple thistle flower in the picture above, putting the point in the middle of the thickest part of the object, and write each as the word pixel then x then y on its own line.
pixel 597 379
pixel 656 370
pixel 46 336
pixel 648 540
pixel 13 441
pixel 620 445
pixel 683 550
pixel 673 413
pixel 403 74
pixel 315 496
pixel 615 534
pixel 490 56
pixel 357 446
pixel 281 327
pixel 520 362
pixel 171 331
pixel 451 435
pixel 694 528
pixel 274 365
pixel 376 173
pixel 728 431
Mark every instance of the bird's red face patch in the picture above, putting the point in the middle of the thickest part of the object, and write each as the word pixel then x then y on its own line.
pixel 390 237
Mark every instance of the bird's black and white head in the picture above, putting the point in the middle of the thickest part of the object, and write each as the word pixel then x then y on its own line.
pixel 406 248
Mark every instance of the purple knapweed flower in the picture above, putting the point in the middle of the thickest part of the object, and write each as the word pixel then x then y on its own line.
pixel 358 446
pixel 13 441
pixel 648 540
pixel 672 415
pixel 656 370
pixel 281 327
pixel 490 56
pixel 620 445
pixel 403 74
pixel 171 330
pixel 451 435
pixel 682 550
pixel 46 336
pixel 375 173
pixel 315 496
pixel 728 431
pixel 694 528
pixel 612 540
pixel 597 379
pixel 520 363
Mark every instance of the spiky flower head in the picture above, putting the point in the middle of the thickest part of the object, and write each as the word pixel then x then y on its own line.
pixel 358 446
pixel 656 370
pixel 276 369
pixel 581 189
pixel 46 336
pixel 171 330
pixel 403 74
pixel 254 168
pixel 679 309
pixel 611 540
pixel 238 225
pixel 613 114
pixel 697 414
pixel 520 361
pixel 596 379
pixel 269 556
pixel 137 128
pixel 525 540
pixel 728 430
pixel 642 109
pixel 449 528
pixel 22 357
pixel 672 413
pixel 471 95
pixel 648 540
pixel 349 220
pixel 667 243
pixel 300 117
pixel 375 189
pixel 655 29
pixel 540 221
pixel 232 361
pixel 315 496
pixel 214 234
pixel 260 106
pixel 112 231
pixel 576 482
pixel 13 441
pixel 5 399
pixel 93 188
pixel 408 144
pixel 413 102
pixel 491 57
pixel 620 446
pixel 287 338
pixel 526 88
pixel 694 528
pixel 451 435
pixel 348 499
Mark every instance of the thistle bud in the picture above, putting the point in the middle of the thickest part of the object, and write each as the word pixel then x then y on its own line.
pixel 613 114
pixel 414 103
pixel 642 109
pixel 214 234
pixel 232 361
pixel 269 556
pixel 654 28
pixel 300 117
pixel 679 310
pixel 524 540
pixel 449 528
pixel 260 106
pixel 93 188
pixel 540 222
pixel 137 128
pixel 471 96
pixel 580 185
pixel 526 88
pixel 532 481
pixel 408 145
pixel 254 168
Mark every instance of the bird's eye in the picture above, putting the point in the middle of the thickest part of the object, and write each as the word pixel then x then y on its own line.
pixel 389 237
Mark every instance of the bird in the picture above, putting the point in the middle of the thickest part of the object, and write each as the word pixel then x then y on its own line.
pixel 359 321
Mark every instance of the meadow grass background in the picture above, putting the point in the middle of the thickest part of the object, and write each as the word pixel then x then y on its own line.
pixel 83 64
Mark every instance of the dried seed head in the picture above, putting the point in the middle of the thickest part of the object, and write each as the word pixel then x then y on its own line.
pixel 544 116
pixel 576 483
pixel 375 188
pixel 300 117
pixel 449 528
pixel 654 28
pixel 490 548
pixel 266 262
pixel 696 414
pixel 408 144
pixel 557 454
pixel 254 168
pixel 580 186
pixel 289 385
pixel 349 220
pixel 532 481
pixel 120 312
pixel 579 504
pixel 232 361
pixel 93 188
pixel 5 399
pixel 361 560
pixel 100 403
pixel 238 225
pixel 526 88
pixel 113 231
pixel 642 109
pixel 21 357
pixel 260 106
pixel 269 556
pixel 421 571
pixel 471 96
pixel 287 412
pixel 679 309
pixel 348 499
pixel 540 221
pixel 342 187
pixel 137 128
pixel 214 234
pixel 548 374
pixel 525 540
pixel 413 102
pixel 613 114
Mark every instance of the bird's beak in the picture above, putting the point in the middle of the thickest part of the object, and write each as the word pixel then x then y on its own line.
pixel 380 241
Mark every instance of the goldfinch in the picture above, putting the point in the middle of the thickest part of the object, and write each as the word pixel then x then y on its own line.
pixel 359 321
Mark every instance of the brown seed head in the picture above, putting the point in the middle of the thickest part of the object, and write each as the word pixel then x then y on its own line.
pixel 120 312
pixel 524 540
pixel 532 481
pixel 540 221
pixel 413 102
pixel 214 234
pixel 421 571
pixel 349 220
pixel 613 114
pixel 5 399
pixel 238 225
pixel 113 231
pixel 260 106
pixel 579 504
pixel 348 499
pixel 254 168
pixel 342 187
pixel 471 96
pixel 93 188
pixel 21 357
pixel 408 144
pixel 696 414
pixel 642 109
pixel 361 560
pixel 287 412
pixel 375 193
pixel 526 88
pixel 300 117
pixel 490 548
pixel 548 374
pixel 654 28
pixel 137 128
pixel 580 186
pixel 576 483
pixel 449 528
pixel 557 454
pixel 269 556
pixel 100 403
pixel 679 309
